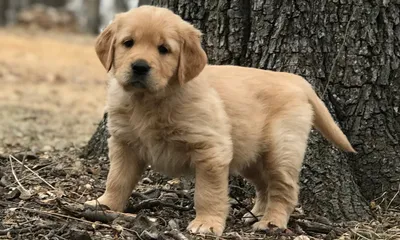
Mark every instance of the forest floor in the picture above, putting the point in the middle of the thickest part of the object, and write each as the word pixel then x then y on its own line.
pixel 52 95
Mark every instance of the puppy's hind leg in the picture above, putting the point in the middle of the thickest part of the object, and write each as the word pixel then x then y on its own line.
pixel 256 176
pixel 287 142
pixel 125 172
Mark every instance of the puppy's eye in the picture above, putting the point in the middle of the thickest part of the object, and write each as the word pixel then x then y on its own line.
pixel 162 49
pixel 128 43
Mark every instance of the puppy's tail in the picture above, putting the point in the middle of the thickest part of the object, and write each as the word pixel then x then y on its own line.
pixel 324 122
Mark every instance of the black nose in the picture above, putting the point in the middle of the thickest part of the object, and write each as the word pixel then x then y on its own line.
pixel 140 67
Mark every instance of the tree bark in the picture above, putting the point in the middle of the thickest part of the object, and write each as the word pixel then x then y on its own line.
pixel 350 52
pixel 97 146
pixel 121 6
pixel 53 3
pixel 144 2
pixel 3 12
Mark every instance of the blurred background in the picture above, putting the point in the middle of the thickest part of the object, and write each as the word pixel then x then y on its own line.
pixel 68 15
pixel 52 92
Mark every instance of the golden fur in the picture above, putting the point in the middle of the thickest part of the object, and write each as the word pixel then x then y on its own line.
pixel 210 121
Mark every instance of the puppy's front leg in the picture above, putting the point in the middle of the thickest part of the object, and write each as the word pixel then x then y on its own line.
pixel 125 171
pixel 211 197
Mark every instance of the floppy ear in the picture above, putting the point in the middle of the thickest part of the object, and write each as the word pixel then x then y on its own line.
pixel 192 58
pixel 105 46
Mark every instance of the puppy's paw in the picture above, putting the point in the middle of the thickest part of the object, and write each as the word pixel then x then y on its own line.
pixel 271 229
pixel 268 225
pixel 249 218
pixel 95 204
pixel 207 226
pixel 107 202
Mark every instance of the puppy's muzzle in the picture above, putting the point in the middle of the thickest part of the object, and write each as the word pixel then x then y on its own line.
pixel 140 69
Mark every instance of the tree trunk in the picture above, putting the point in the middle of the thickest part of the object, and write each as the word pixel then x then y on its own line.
pixel 97 146
pixel 144 2
pixel 349 51
pixel 93 15
pixel 13 7
pixel 121 6
pixel 53 3
pixel 3 12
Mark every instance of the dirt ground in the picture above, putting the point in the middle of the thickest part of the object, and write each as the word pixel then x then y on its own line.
pixel 52 95
pixel 52 90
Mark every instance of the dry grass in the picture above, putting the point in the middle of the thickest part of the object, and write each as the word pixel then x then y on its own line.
pixel 386 225
pixel 52 89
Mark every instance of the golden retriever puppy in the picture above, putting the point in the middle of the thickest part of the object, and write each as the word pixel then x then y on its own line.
pixel 167 108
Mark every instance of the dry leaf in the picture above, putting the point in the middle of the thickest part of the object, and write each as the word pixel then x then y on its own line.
pixel 174 181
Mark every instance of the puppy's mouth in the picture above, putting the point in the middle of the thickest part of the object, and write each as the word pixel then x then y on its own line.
pixel 138 81
pixel 138 84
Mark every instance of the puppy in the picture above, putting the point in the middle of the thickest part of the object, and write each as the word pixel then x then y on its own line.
pixel 167 108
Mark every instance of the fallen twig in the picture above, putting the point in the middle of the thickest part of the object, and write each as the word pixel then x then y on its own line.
pixel 59 215
pixel 242 205
pixel 95 213
pixel 152 203
pixel 37 175
pixel 26 176
pixel 12 230
pixel 316 227
pixel 179 193
pixel 394 197
pixel 247 210
pixel 358 234
pixel 5 231
pixel 15 176
pixel 176 234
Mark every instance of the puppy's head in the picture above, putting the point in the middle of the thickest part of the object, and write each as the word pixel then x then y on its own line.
pixel 149 48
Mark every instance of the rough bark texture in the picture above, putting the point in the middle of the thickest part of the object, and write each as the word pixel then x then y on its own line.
pixel 348 50
pixel 97 146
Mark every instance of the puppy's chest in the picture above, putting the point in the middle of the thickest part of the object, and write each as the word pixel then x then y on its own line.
pixel 163 152
pixel 159 143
